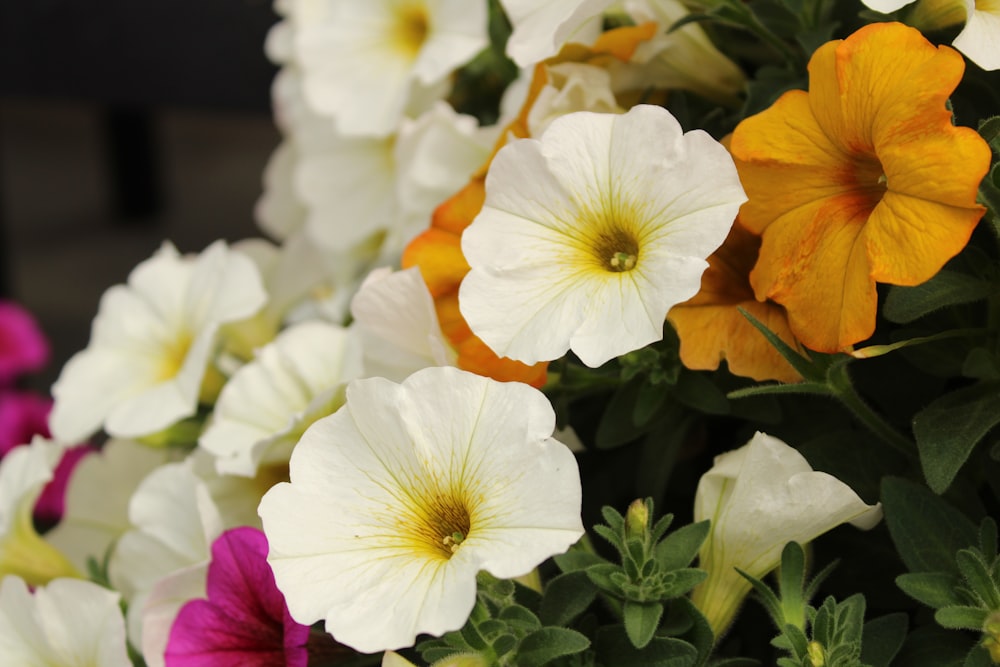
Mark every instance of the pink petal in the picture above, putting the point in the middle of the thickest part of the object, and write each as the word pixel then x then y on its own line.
pixel 244 621
pixel 22 415
pixel 23 346
pixel 52 503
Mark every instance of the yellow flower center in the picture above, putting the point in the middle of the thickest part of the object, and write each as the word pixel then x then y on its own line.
pixel 616 249
pixel 411 27
pixel 173 354
pixel 438 523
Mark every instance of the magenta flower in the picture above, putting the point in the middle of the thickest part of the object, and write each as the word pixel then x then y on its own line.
pixel 51 503
pixel 244 622
pixel 23 346
pixel 23 415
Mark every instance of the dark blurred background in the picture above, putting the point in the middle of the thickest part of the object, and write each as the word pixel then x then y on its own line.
pixel 123 123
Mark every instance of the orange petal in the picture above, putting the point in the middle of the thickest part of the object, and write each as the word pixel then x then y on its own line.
pixel 711 328
pixel 814 262
pixel 786 161
pixel 438 253
pixel 474 356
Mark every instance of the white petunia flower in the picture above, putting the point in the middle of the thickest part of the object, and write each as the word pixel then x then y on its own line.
pixel 400 498
pixel 760 497
pixel 680 59
pixel 979 40
pixel 24 471
pixel 97 499
pixel 571 87
pixel 363 61
pixel 70 623
pixel 174 521
pixel 395 317
pixel 590 234
pixel 541 28
pixel 268 403
pixel 151 343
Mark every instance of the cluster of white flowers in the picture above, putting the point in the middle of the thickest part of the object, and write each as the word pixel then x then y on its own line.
pixel 319 385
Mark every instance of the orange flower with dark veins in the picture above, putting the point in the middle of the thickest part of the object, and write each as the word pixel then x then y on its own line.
pixel 863 179
pixel 711 327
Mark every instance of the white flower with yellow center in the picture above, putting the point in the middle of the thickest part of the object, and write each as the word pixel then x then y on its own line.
pixel 69 623
pixel 589 235
pixel 363 62
pixel 759 498
pixel 399 499
pixel 268 403
pixel 24 471
pixel 151 344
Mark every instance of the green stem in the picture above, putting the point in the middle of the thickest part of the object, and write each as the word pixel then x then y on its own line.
pixel 841 386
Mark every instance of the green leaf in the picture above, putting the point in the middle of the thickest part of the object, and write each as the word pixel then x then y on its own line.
pixel 978 657
pixel 698 632
pixel 641 621
pixel 977 576
pixel 926 530
pixel 961 617
pixel 577 559
pixel 547 644
pixel 617 426
pixel 601 576
pixel 948 288
pixel 934 589
pixel 566 597
pixel 948 429
pixel 791 580
pixel 882 639
pixel 680 547
pixel 613 647
pixel 520 617
pixel 681 581
pixel 989 129
pixel 695 390
pixel 930 646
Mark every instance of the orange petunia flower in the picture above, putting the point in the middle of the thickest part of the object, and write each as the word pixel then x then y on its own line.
pixel 438 250
pixel 863 179
pixel 711 328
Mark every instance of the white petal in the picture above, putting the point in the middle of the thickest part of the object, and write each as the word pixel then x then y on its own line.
pixel 345 535
pixel 980 38
pixel 541 28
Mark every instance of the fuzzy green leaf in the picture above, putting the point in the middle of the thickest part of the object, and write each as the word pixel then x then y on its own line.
pixel 977 575
pixel 926 530
pixel 961 617
pixel 882 638
pixel 566 597
pixel 934 589
pixel 948 429
pixel 547 644
pixel 641 621
pixel 680 547
pixel 948 288
pixel 613 647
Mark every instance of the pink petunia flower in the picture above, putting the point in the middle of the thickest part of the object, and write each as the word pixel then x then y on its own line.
pixel 23 414
pixel 244 622
pixel 23 346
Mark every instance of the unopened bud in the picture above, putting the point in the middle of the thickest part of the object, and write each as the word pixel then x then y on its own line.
pixel 637 519
pixel 816 654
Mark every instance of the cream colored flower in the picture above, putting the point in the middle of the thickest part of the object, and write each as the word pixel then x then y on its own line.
pixel 399 329
pixel 24 471
pixel 267 404
pixel 402 496
pixel 363 62
pixel 589 235
pixel 541 28
pixel 151 344
pixel 760 497
pixel 69 623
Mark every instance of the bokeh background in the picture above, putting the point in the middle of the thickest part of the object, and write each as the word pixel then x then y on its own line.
pixel 123 123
